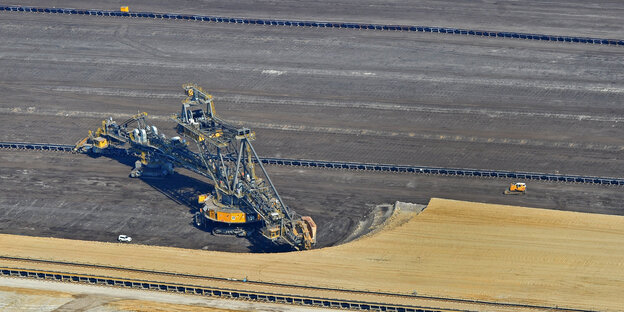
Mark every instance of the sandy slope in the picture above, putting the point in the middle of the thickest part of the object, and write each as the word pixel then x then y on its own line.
pixel 456 249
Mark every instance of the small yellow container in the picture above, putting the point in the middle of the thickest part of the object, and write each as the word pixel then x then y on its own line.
pixel 124 9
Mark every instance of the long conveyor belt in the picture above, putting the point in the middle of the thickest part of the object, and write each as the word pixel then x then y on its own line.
pixel 379 167
pixel 320 24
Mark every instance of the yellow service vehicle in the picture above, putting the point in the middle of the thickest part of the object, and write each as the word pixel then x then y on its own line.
pixel 517 188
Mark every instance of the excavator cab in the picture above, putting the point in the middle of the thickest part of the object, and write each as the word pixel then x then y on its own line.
pixel 516 188
pixel 274 233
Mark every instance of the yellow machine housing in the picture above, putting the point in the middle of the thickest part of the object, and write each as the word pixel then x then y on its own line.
pixel 217 212
pixel 516 188
pixel 100 142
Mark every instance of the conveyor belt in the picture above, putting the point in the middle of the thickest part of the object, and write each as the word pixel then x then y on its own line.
pixel 37 146
pixel 445 171
pixel 380 167
pixel 212 291
pixel 228 293
pixel 319 24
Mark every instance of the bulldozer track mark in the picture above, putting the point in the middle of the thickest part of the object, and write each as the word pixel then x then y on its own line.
pixel 440 79
pixel 463 172
pixel 359 132
pixel 436 137
pixel 255 98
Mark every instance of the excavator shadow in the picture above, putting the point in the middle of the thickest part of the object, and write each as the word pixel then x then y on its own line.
pixel 180 188
pixel 184 190
pixel 259 244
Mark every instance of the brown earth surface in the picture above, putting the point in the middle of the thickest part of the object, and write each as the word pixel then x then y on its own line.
pixel 452 249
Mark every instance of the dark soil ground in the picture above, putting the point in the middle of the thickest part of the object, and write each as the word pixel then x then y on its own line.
pixel 389 97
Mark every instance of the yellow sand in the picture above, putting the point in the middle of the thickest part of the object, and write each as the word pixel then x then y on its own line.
pixel 147 306
pixel 452 249
pixel 37 292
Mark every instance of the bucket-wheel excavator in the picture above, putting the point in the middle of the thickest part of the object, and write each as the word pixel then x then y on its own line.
pixel 211 147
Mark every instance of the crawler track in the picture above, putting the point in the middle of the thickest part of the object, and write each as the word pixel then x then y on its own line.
pixel 378 167
pixel 319 24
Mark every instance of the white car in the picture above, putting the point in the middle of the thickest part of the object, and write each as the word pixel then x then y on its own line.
pixel 124 238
